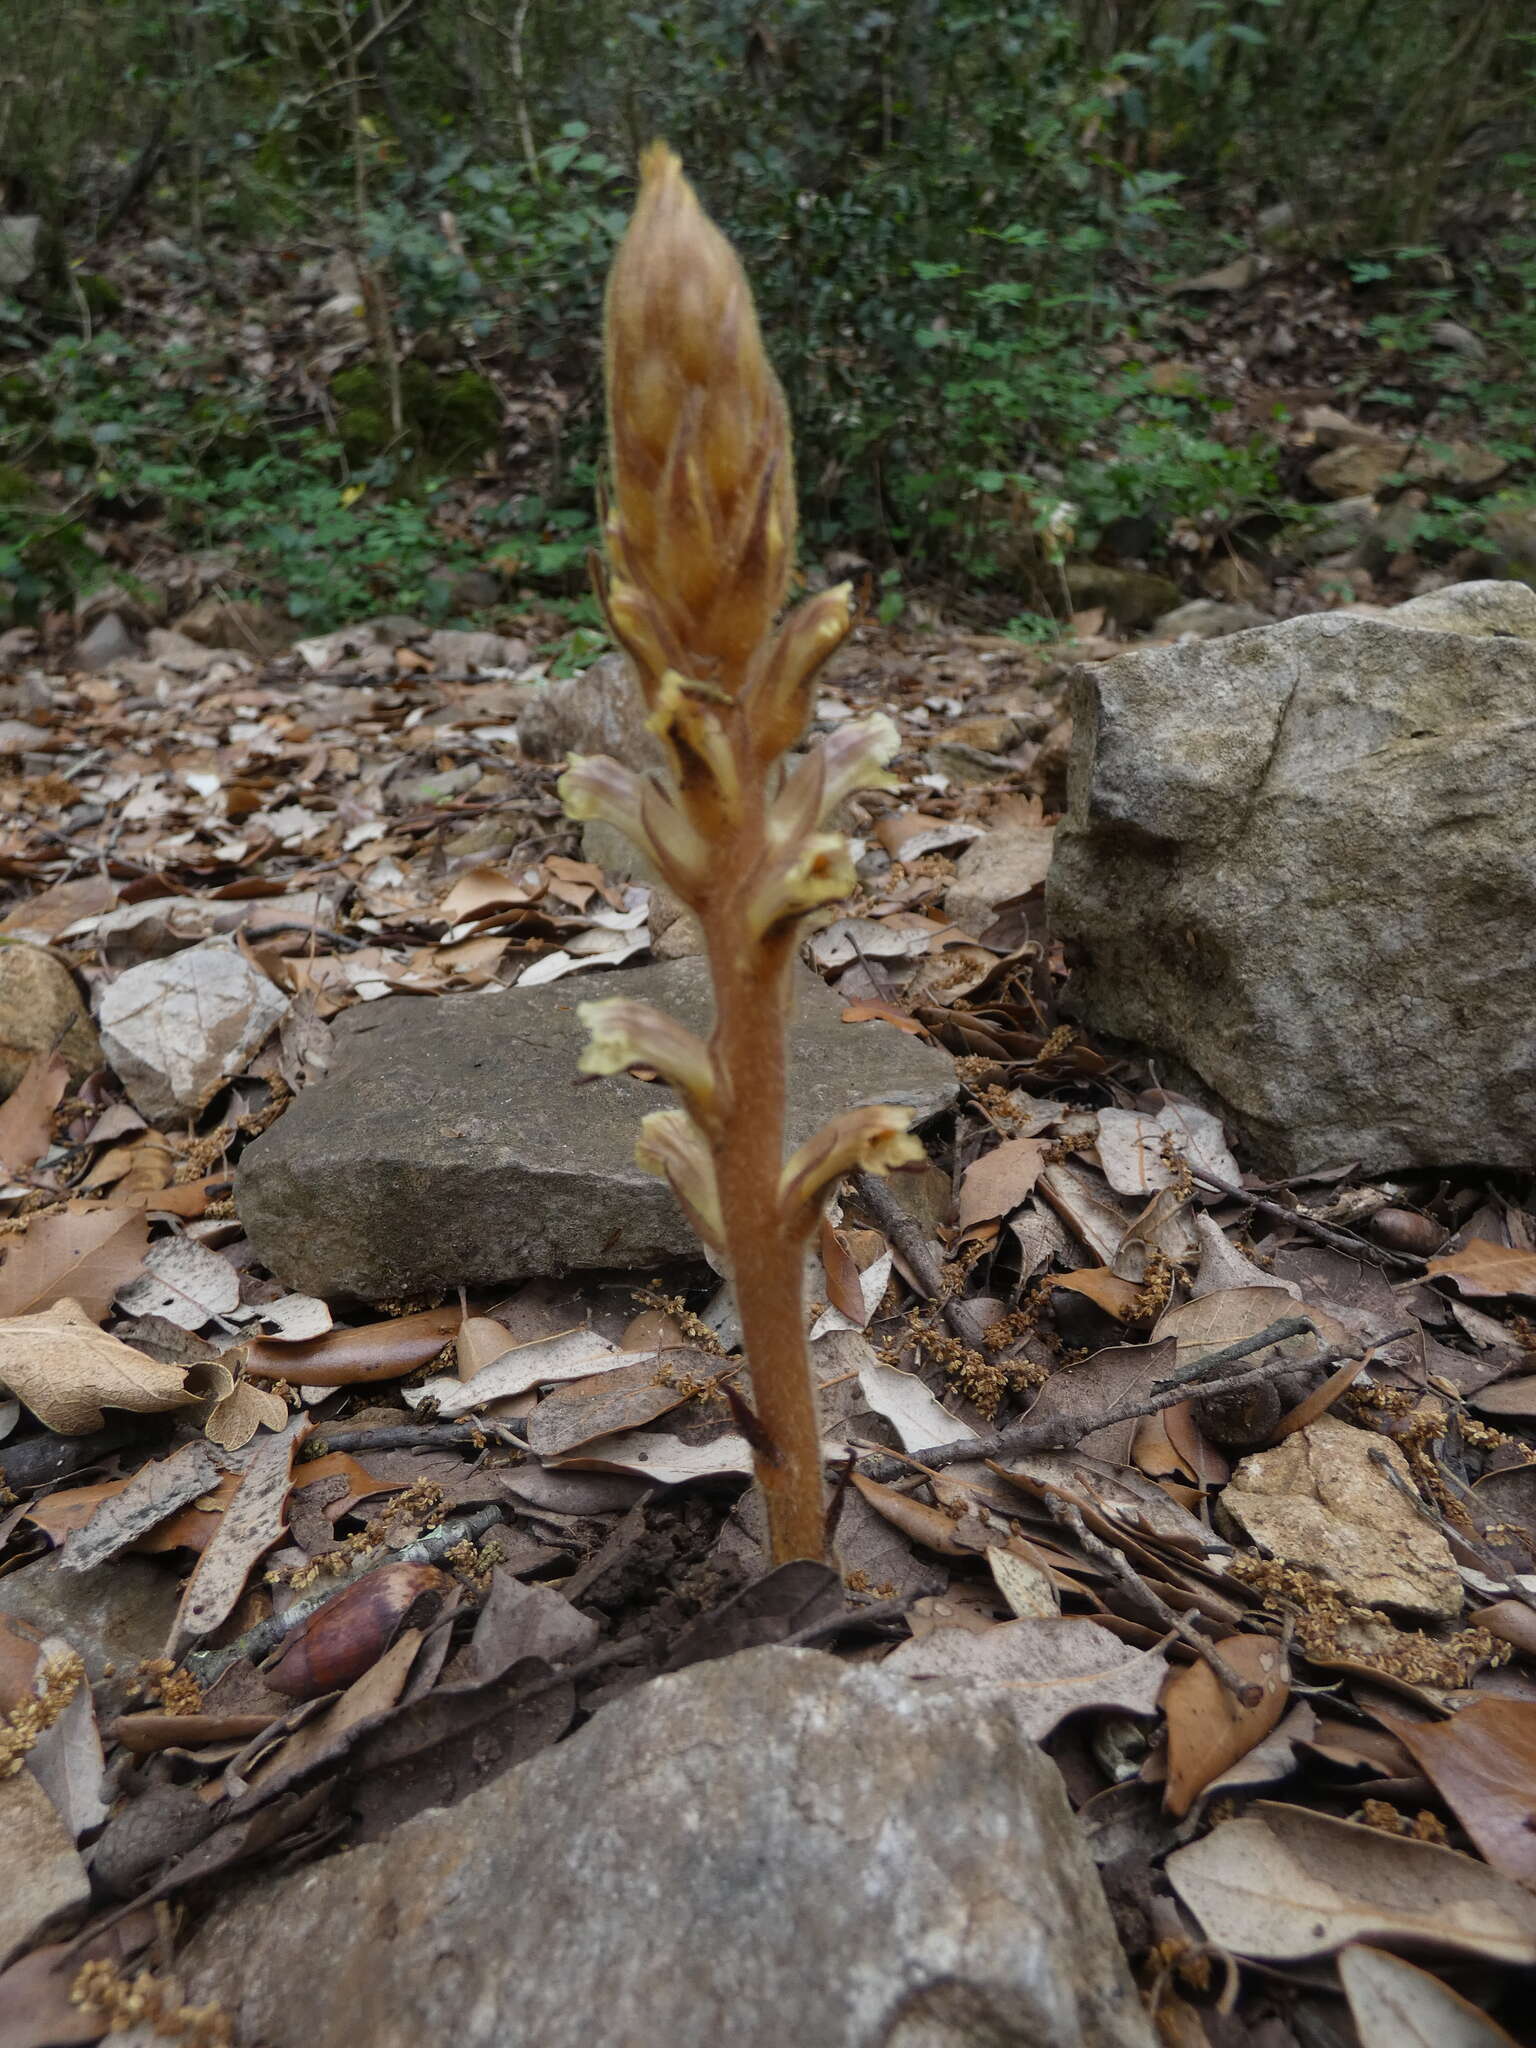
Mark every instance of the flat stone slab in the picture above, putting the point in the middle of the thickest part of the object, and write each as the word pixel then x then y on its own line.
pixel 773 1848
pixel 454 1143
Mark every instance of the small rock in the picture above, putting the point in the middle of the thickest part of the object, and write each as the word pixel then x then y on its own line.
pixel 46 1883
pixel 40 1012
pixel 18 248
pixel 449 1143
pixel 350 651
pixel 108 641
pixel 601 711
pixel 847 1860
pixel 1320 1500
pixel 238 623
pixel 989 732
pixel 1235 580
pixel 1509 528
pixel 175 1030
pixel 457 653
pixel 115 1614
pixel 167 649
pixel 112 597
pixel 1338 529
pixel 1132 597
pixel 1205 619
pixel 1008 861
pixel 1330 428
pixel 1362 467
pixel 466 590
pixel 1477 611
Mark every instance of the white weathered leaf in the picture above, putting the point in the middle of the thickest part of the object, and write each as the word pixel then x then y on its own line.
pixel 155 1492
pixel 575 1356
pixel 919 1418
pixel 1051 1668
pixel 650 1454
pixel 1394 2004
pixel 1285 1885
pixel 184 1283
pixel 250 1525
pixel 873 1282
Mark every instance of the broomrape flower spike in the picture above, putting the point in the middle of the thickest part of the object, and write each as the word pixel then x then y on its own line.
pixel 699 527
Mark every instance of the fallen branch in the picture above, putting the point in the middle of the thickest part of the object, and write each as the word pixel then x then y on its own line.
pixel 1244 1690
pixel 1061 1432
pixel 1347 1241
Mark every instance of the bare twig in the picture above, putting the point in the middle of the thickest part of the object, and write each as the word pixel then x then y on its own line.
pixel 1337 1240
pixel 1215 1363
pixel 1061 1432
pixel 906 1235
pixel 412 1436
pixel 1244 1690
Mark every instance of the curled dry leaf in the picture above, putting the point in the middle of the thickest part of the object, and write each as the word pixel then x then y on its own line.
pixel 237 1415
pixel 665 1460
pixel 66 1371
pixel 1208 1729
pixel 341 1358
pixel 1394 2004
pixel 1283 1885
pixel 927 1525
pixel 1482 1762
pixel 340 1641
pixel 83 1255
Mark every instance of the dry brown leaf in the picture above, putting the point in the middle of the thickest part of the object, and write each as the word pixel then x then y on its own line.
pixel 871 1012
pixel 1090 1387
pixel 1482 1762
pixel 1000 1181
pixel 1093 1215
pixel 83 1255
pixel 841 1271
pixel 480 1342
pixel 341 1358
pixel 914 1518
pixel 26 1115
pixel 1508 1397
pixel 920 1419
pixel 1105 1289
pixel 1051 1668
pixel 249 1527
pixel 66 1371
pixel 1232 1313
pixel 1394 2004
pixel 69 1508
pixel 1285 1885
pixel 155 1492
pixel 1208 1729
pixel 1484 1269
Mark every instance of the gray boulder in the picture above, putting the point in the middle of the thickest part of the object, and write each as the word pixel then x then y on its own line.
pixel 450 1143
pixel 601 711
pixel 1301 863
pixel 776 1847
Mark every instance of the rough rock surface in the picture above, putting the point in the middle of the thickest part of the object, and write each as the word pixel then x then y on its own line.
pixel 114 1614
pixel 770 1848
pixel 449 1142
pixel 600 711
pixel 1320 1500
pixel 175 1030
pixel 1207 619
pixel 1008 861
pixel 40 1012
pixel 1302 864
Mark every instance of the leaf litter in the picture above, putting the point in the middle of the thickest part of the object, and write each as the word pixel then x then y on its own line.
pixel 469 1520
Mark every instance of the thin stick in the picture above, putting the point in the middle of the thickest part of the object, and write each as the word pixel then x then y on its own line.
pixel 906 1234
pixel 1245 1691
pixel 1337 1240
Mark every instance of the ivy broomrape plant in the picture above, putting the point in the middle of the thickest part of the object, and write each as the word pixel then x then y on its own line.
pixel 699 529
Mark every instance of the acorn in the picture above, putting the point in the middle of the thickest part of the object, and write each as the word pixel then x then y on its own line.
pixel 1405 1230
pixel 348 1635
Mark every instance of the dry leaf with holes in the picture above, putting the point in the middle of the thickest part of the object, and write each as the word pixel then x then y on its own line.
pixel 1481 1268
pixel 1394 2004
pixel 83 1255
pixel 1001 1181
pixel 154 1493
pixel 665 1460
pixel 249 1527
pixel 578 1354
pixel 1284 1886
pixel 1209 1730
pixel 66 1371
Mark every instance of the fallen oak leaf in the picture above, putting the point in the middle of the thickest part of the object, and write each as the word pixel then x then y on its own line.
pixel 67 1371
pixel 154 1493
pixel 1482 1268
pixel 1284 1885
pixel 1001 1181
pixel 82 1254
pixel 1051 1667
pixel 1482 1762
pixel 26 1115
pixel 249 1527
pixel 342 1358
pixel 1394 2004
pixel 1208 1729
